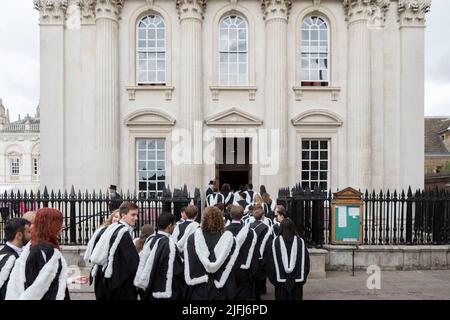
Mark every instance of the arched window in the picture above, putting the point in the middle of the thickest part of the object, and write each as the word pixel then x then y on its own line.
pixel 315 64
pixel 151 50
pixel 233 51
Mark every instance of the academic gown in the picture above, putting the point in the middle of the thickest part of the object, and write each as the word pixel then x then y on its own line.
pixel 181 229
pixel 242 272
pixel 34 265
pixel 99 281
pixel 165 281
pixel 126 260
pixel 8 257
pixel 212 284
pixel 288 286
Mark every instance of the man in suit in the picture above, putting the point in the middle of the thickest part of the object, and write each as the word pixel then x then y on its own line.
pixel 115 198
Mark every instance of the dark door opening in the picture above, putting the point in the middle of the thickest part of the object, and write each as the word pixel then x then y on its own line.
pixel 234 178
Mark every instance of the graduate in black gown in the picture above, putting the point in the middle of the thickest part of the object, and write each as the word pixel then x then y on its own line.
pixel 17 235
pixel 116 256
pixel 246 242
pixel 289 263
pixel 184 229
pixel 209 259
pixel 160 271
pixel 40 273
pixel 280 215
pixel 96 276
pixel 264 235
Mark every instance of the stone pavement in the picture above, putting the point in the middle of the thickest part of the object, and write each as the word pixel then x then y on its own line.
pixel 395 285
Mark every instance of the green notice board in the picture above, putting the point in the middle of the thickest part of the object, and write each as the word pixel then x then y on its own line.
pixel 347 226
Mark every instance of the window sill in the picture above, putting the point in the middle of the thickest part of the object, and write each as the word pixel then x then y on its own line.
pixel 333 91
pixel 168 90
pixel 215 90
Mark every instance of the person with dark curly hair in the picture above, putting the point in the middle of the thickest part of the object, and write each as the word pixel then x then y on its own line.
pixel 209 259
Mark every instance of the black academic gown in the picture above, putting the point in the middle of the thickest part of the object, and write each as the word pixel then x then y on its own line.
pixel 159 272
pixel 34 264
pixel 126 260
pixel 288 286
pixel 7 252
pixel 244 278
pixel 99 281
pixel 182 228
pixel 208 290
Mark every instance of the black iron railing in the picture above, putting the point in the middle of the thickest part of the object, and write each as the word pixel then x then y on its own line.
pixel 84 212
pixel 390 218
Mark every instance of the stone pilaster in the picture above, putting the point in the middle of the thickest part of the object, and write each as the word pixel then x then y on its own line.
pixel 52 15
pixel 276 14
pixel 412 75
pixel 190 14
pixel 107 92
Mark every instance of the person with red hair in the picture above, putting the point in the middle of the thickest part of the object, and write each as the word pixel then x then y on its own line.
pixel 40 273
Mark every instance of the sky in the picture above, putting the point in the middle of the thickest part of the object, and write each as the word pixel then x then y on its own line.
pixel 19 58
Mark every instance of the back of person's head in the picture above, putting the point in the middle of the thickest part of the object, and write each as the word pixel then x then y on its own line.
pixel 242 195
pixel 212 220
pixel 250 186
pixel 226 188
pixel 126 207
pixel 30 216
pixel 257 199
pixel 15 226
pixel 262 189
pixel 220 206
pixel 47 227
pixel 236 212
pixel 165 219
pixel 146 231
pixel 288 229
pixel 191 212
pixel 258 211
pixel 266 198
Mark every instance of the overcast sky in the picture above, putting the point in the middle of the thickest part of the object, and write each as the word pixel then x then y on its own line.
pixel 19 58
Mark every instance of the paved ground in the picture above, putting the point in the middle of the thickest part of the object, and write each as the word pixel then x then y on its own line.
pixel 395 285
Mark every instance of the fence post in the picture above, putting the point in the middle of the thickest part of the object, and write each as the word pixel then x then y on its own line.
pixel 72 216
pixel 198 203
pixel 45 197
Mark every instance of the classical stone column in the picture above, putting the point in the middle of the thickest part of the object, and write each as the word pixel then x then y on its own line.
pixel 190 13
pixel 412 75
pixel 276 14
pixel 106 112
pixel 376 26
pixel 358 94
pixel 51 19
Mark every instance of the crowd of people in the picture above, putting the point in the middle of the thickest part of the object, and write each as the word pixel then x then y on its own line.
pixel 228 255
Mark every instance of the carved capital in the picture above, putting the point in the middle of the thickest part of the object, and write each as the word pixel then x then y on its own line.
pixel 412 12
pixel 276 9
pixel 108 9
pixel 372 11
pixel 193 9
pixel 87 8
pixel 51 11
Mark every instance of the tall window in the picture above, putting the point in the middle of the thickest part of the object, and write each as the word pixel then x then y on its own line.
pixel 233 51
pixel 151 166
pixel 315 52
pixel 35 166
pixel 315 164
pixel 15 167
pixel 151 50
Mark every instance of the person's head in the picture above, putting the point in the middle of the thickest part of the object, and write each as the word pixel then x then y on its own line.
pixel 146 231
pixel 266 198
pixel 30 216
pixel 191 212
pixel 258 211
pixel 211 184
pixel 166 222
pixel 114 217
pixel 212 220
pixel 112 188
pixel 47 227
pixel 242 195
pixel 225 188
pixel 262 189
pixel 129 212
pixel 250 187
pixel 236 212
pixel 288 229
pixel 220 206
pixel 257 199
pixel 18 232
pixel 280 213
pixel 183 213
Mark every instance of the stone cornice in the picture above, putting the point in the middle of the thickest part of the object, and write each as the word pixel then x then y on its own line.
pixel 51 11
pixel 276 9
pixel 87 8
pixel 108 9
pixel 412 12
pixel 191 9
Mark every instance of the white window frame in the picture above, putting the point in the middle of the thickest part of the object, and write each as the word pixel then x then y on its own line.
pixel 140 169
pixel 14 164
pixel 310 181
pixel 227 52
pixel 306 44
pixel 149 49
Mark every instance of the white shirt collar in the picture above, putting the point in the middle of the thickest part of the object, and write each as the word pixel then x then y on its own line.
pixel 130 228
pixel 164 233
pixel 16 249
pixel 236 221
pixel 191 220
